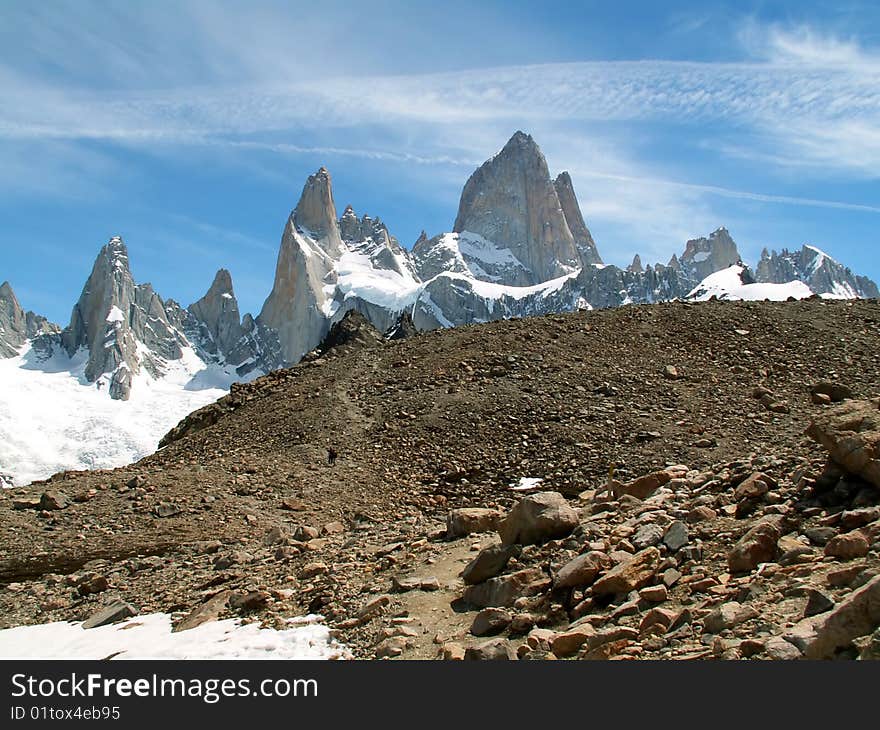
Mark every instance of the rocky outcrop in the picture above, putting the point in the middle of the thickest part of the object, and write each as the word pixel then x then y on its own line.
pixel 583 239
pixel 704 256
pixel 817 270
pixel 511 201
pixel 13 327
pixel 295 307
pixel 112 316
pixel 18 326
pixel 850 432
pixel 353 331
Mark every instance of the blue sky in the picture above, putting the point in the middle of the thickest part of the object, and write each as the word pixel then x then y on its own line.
pixel 189 127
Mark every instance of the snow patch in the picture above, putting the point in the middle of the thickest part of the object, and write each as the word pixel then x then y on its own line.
pixel 728 284
pixel 150 637
pixel 526 483
pixel 115 315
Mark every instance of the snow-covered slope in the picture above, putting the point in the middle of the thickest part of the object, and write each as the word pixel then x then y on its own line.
pixel 52 418
pixel 734 283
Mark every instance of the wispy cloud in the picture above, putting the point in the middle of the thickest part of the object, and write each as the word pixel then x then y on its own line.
pixel 805 102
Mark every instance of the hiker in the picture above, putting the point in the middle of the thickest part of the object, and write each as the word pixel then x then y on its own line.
pixel 331 455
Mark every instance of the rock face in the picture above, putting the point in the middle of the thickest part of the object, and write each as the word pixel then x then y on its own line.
pixel 13 327
pixel 704 256
pixel 18 326
pixel 817 270
pixel 511 201
pixel 320 276
pixel 112 316
pixel 850 432
pixel 583 239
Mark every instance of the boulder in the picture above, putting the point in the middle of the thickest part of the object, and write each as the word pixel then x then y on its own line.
pixel 644 486
pixel 490 621
pixel 489 562
pixel 116 611
pixel 629 575
pixel 850 432
pixel 468 520
pixel 834 392
pixel 819 637
pixel 504 590
pixel 497 649
pixel 569 642
pixel 758 545
pixel 848 546
pixel 54 500
pixel 581 571
pixel 537 518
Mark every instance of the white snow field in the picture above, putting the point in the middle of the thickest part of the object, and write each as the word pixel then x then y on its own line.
pixel 727 284
pixel 52 419
pixel 150 637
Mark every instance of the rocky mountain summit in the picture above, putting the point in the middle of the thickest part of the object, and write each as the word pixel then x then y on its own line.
pixel 538 488
pixel 817 270
pixel 519 247
pixel 18 327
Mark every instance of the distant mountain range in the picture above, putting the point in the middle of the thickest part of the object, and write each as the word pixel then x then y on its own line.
pixel 519 247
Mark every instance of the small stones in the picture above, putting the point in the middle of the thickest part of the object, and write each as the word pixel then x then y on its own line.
pixel 413 583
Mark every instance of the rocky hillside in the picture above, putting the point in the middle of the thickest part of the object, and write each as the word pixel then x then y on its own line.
pixel 630 483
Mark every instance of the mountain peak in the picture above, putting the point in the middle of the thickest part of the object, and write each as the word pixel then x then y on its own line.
pixel 6 291
pixel 511 202
pixel 583 239
pixel 316 212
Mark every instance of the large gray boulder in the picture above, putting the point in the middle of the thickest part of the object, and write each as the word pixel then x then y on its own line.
pixel 537 518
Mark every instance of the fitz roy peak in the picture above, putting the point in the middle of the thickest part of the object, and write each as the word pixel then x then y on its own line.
pixel 519 246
